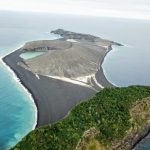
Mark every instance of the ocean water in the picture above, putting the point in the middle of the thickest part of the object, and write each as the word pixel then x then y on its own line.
pixel 17 111
pixel 123 66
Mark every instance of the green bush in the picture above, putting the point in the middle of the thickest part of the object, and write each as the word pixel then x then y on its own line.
pixel 107 111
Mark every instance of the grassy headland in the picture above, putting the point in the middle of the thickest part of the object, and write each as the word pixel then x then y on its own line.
pixel 112 119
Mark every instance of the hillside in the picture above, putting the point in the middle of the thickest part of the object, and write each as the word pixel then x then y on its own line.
pixel 115 118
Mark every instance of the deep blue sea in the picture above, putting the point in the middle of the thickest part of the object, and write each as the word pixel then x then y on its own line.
pixel 123 66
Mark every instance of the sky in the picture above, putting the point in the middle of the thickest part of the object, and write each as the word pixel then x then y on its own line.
pixel 139 9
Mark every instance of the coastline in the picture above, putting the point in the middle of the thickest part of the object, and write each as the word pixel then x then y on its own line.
pixel 109 49
pixel 102 65
pixel 146 131
pixel 16 76
pixel 18 81
pixel 142 135
pixel 30 89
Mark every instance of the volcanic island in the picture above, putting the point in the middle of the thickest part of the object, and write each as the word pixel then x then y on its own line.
pixel 78 108
pixel 69 70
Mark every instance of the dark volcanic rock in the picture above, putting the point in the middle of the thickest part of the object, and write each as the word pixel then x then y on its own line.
pixel 73 35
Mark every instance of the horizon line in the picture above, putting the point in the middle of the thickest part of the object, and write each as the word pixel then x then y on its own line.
pixel 80 14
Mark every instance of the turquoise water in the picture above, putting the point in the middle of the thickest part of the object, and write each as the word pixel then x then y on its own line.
pixel 17 111
pixel 18 114
pixel 123 65
pixel 145 144
pixel 31 54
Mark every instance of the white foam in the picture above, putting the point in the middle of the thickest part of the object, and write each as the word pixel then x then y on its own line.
pixel 1 57
pixel 102 65
pixel 26 90
pixel 127 45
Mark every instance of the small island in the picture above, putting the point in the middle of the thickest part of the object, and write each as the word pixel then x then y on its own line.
pixel 62 72
pixel 78 108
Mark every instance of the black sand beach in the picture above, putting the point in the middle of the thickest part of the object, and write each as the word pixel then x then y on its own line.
pixel 53 97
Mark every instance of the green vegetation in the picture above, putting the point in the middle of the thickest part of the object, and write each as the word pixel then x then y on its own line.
pixel 108 112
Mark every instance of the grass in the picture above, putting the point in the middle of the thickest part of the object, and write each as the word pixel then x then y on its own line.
pixel 108 112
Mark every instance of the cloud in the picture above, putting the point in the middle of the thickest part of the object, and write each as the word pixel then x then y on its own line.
pixel 112 8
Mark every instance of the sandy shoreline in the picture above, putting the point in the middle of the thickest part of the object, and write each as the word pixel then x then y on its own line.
pixel 15 77
pixel 54 98
pixel 36 100
pixel 102 68
pixel 42 118
pixel 24 88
